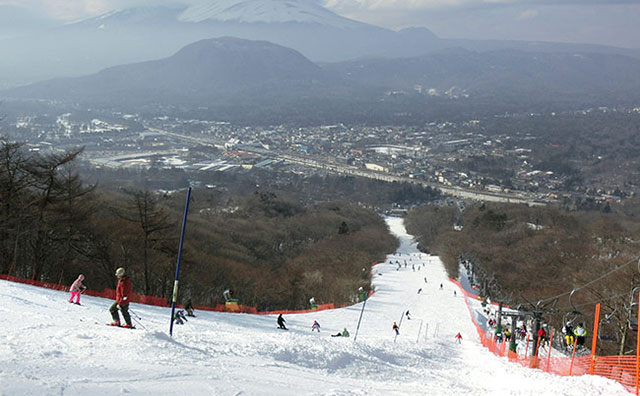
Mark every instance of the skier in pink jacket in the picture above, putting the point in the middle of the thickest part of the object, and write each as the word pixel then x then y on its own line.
pixel 76 288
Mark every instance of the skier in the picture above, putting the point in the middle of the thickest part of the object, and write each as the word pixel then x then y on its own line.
pixel 281 323
pixel 122 300
pixel 542 336
pixel 315 326
pixel 408 315
pixel 179 317
pixel 507 335
pixel 454 293
pixel 425 279
pixel 76 289
pixel 396 328
pixel 568 335
pixel 441 286
pixel 189 308
pixel 580 333
pixel 419 290
pixel 459 338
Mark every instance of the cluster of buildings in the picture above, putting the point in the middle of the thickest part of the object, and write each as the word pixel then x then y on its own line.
pixel 450 155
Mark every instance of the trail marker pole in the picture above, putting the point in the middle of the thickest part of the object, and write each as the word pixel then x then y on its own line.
pixel 175 284
pixel 360 318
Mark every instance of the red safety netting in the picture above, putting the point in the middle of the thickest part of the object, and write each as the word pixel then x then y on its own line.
pixel 621 369
pixel 164 302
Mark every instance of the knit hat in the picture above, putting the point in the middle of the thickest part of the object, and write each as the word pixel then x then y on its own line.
pixel 120 271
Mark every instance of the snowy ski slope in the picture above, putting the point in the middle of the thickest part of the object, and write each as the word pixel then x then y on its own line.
pixel 51 347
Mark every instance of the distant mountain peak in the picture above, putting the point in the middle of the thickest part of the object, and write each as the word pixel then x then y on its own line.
pixel 265 11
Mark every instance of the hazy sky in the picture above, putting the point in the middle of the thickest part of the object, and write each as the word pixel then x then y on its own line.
pixel 611 22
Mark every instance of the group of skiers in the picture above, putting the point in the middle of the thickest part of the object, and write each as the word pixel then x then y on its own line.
pixel 123 290
pixel 574 336
pixel 121 304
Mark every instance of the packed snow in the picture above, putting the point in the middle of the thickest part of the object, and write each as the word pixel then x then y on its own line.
pixel 265 11
pixel 51 347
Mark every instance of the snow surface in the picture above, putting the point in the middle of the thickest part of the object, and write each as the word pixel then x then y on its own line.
pixel 51 347
pixel 266 11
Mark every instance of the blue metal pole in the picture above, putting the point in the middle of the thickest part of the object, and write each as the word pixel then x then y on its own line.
pixel 175 283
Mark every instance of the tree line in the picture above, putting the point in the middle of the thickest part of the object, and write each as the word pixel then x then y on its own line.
pixel 274 251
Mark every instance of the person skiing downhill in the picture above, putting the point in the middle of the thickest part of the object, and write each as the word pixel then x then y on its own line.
pixel 281 322
pixel 396 328
pixel 459 338
pixel 315 326
pixel 76 289
pixel 122 300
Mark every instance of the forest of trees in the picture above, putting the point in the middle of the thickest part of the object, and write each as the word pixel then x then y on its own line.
pixel 527 254
pixel 274 251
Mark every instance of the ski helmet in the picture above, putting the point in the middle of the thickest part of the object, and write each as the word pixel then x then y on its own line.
pixel 120 271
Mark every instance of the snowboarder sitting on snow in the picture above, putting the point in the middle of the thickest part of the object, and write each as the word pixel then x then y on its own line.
pixel 76 288
pixel 344 333
pixel 315 326
pixel 122 300
pixel 179 317
pixel 396 328
pixel 281 322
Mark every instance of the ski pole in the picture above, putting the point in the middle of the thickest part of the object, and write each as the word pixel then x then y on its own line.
pixel 135 314
pixel 138 322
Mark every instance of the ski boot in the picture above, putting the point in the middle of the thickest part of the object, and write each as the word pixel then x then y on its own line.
pixel 116 323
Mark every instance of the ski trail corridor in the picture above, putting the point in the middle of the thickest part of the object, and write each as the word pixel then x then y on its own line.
pixel 51 347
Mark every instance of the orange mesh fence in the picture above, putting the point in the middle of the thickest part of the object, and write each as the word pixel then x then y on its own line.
pixel 621 369
pixel 165 302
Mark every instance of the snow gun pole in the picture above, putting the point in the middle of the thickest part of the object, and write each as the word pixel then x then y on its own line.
pixel 360 318
pixel 175 283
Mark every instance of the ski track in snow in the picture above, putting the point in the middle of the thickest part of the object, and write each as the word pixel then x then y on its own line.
pixel 51 347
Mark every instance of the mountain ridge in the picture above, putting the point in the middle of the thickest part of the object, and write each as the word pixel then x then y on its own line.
pixel 142 33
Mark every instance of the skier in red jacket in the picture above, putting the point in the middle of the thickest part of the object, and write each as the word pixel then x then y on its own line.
pixel 122 300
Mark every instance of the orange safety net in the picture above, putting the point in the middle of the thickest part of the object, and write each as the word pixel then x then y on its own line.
pixel 621 369
pixel 165 302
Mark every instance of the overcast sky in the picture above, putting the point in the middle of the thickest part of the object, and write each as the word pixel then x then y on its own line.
pixel 610 22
